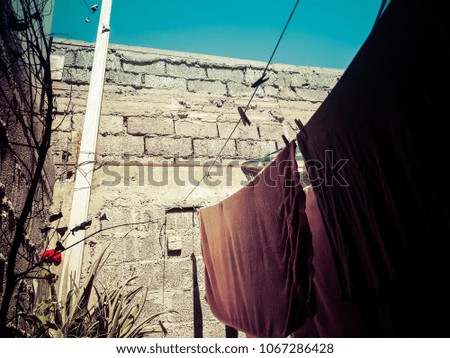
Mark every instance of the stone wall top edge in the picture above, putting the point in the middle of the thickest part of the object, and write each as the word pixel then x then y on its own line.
pixel 210 59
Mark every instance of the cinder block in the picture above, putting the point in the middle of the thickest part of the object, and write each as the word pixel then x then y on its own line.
pixel 150 273
pixel 225 74
pixel 123 78
pixel 215 87
pixel 78 122
pixel 209 148
pixel 299 80
pixel 252 150
pixel 155 68
pixel 143 245
pixel 196 129
pixel 113 62
pixel 184 71
pixel 179 220
pixel 183 303
pixel 271 131
pixel 178 274
pixel 62 123
pixel 239 89
pixel 111 125
pixel 61 140
pixel 271 91
pixel 168 147
pixel 149 125
pixel 241 132
pixel 76 75
pixel 153 81
pixel 110 275
pixel 120 145
pixel 84 57
pixel 312 95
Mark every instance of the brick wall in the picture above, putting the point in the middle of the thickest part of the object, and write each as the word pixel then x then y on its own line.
pixel 164 115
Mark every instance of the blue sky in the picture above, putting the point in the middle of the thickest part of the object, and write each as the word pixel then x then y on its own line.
pixel 325 33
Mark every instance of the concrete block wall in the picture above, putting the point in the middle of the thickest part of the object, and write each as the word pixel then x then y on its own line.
pixel 166 114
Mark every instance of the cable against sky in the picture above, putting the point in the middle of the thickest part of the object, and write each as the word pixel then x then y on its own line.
pixel 256 86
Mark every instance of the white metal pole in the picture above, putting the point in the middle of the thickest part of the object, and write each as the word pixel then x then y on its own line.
pixel 72 258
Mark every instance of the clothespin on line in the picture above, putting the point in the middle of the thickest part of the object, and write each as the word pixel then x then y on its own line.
pixel 244 117
pixel 299 124
pixel 260 81
pixel 301 127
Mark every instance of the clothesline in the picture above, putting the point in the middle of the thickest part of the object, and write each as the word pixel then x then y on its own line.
pixel 242 113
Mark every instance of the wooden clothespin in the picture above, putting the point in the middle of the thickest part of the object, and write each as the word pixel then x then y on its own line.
pixel 285 140
pixel 260 81
pixel 301 127
pixel 244 117
pixel 299 124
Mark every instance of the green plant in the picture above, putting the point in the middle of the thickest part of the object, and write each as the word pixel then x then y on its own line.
pixel 89 312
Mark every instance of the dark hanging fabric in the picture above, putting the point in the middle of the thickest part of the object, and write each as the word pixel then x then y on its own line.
pixel 386 211
pixel 257 252
pixel 334 318
pixel 230 332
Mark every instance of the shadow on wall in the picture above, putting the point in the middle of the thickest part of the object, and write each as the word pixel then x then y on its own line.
pixel 198 315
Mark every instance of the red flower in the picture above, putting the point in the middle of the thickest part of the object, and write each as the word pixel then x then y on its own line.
pixel 57 258
pixel 51 257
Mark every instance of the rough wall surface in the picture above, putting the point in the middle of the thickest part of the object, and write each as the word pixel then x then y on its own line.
pixel 164 116
pixel 19 98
